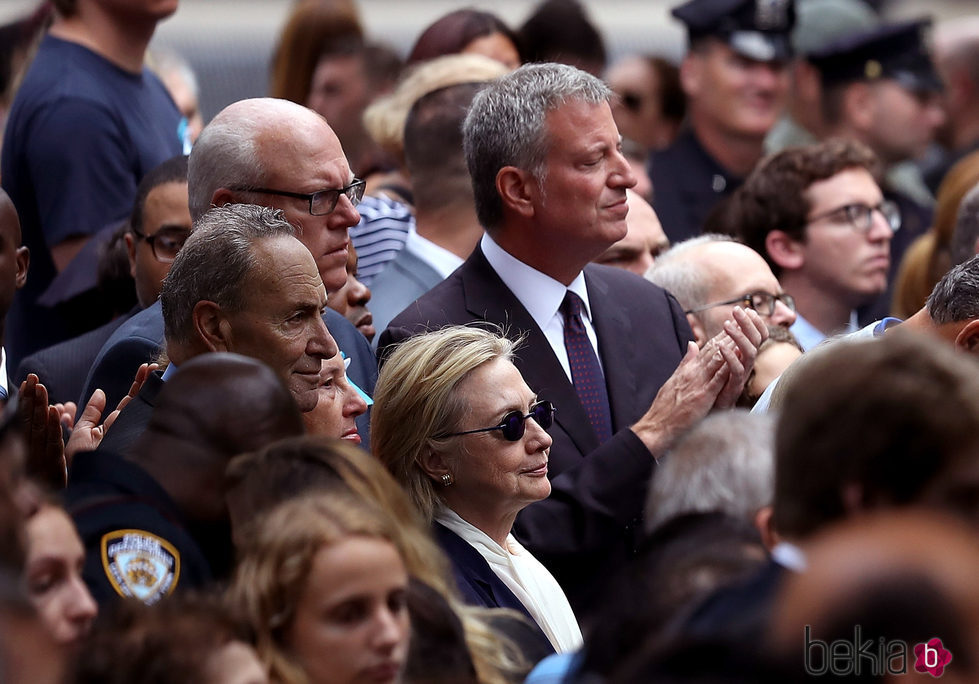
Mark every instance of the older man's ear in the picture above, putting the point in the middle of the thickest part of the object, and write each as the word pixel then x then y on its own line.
pixel 212 326
pixel 517 189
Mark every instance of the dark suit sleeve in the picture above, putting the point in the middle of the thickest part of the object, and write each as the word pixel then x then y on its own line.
pixel 117 368
pixel 588 525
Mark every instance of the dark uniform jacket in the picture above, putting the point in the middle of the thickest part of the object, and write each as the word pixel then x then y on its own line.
pixel 136 544
pixel 687 184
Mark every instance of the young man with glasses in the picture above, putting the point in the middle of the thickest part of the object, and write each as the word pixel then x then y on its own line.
pixel 711 274
pixel 820 219
pixel 880 87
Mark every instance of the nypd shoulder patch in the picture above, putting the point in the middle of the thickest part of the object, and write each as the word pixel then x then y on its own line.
pixel 140 565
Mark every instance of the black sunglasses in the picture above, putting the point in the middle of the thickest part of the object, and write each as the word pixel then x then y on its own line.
pixel 512 426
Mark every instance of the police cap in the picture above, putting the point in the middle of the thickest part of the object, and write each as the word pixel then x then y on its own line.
pixel 756 29
pixel 892 51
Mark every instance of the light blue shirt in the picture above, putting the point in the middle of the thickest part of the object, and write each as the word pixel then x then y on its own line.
pixel 809 335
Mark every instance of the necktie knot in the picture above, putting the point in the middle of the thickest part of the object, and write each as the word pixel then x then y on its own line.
pixel 571 306
pixel 571 309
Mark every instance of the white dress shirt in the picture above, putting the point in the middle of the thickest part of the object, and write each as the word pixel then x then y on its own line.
pixel 542 296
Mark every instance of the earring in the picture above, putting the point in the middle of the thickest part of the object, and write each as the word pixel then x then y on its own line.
pixel 447 479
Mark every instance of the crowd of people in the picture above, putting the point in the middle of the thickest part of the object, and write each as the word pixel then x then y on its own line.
pixel 496 364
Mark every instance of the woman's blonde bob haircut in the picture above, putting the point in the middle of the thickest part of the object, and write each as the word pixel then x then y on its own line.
pixel 416 398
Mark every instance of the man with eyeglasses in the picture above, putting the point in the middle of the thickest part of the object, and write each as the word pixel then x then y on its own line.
pixel 819 218
pixel 711 274
pixel 880 87
pixel 157 228
pixel 276 154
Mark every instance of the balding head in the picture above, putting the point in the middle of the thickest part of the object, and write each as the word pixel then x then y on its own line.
pixel 704 272
pixel 264 151
pixel 217 406
pixel 227 153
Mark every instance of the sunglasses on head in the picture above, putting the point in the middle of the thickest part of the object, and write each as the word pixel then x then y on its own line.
pixel 513 423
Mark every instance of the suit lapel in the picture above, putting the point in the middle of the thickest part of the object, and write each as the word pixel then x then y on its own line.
pixel 489 299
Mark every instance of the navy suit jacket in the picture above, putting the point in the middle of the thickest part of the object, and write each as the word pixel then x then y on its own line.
pixel 132 420
pixel 479 585
pixel 588 524
pixel 140 340
pixel 63 367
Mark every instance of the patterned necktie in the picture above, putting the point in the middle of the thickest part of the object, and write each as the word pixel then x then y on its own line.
pixel 586 374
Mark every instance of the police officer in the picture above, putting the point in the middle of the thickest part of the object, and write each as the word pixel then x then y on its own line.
pixel 156 520
pixel 881 88
pixel 735 80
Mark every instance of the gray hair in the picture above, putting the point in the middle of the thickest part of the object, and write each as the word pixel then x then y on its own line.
pixel 225 156
pixel 725 463
pixel 956 296
pixel 214 263
pixel 506 126
pixel 966 232
pixel 683 277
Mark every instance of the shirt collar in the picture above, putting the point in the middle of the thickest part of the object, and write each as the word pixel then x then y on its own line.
pixel 436 256
pixel 540 294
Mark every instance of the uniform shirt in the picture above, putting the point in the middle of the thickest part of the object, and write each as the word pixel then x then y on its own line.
pixel 687 184
pixel 136 544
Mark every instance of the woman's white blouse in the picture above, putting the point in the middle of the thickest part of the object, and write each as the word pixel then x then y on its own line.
pixel 532 584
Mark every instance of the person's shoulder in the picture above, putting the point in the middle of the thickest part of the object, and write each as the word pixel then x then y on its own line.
pixel 441 305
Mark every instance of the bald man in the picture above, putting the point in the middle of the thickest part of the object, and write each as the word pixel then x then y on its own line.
pixel 277 154
pixel 14 261
pixel 643 242
pixel 711 274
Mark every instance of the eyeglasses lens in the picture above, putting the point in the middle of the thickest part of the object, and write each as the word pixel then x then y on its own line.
pixel 167 243
pixel 514 423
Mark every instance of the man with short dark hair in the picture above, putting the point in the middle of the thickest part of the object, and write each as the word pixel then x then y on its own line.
pixel 89 120
pixel 821 221
pixel 734 76
pixel 880 88
pixel 549 182
pixel 446 228
pixel 154 520
pixel 244 284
